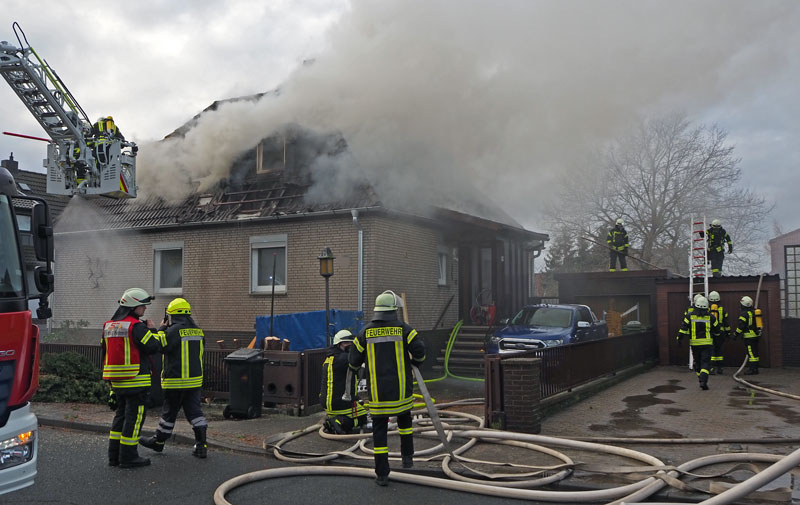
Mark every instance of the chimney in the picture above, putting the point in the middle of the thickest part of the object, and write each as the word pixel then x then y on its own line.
pixel 10 164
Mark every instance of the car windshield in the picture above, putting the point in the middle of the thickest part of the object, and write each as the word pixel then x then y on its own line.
pixel 544 316
pixel 10 267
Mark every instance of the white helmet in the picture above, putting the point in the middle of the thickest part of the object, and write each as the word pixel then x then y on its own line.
pixel 713 297
pixel 701 302
pixel 715 223
pixel 387 301
pixel 696 296
pixel 747 301
pixel 620 222
pixel 134 297
pixel 342 336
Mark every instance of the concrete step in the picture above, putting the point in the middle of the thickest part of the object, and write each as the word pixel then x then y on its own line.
pixel 462 360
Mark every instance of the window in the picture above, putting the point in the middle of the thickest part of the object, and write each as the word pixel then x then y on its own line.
pixel 790 284
pixel 268 263
pixel 442 266
pixel 168 268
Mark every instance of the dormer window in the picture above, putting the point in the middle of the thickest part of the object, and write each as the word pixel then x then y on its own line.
pixel 271 155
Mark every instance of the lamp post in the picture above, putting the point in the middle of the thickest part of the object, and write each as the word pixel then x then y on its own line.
pixel 326 271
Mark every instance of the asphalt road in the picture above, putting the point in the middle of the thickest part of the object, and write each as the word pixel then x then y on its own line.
pixel 73 470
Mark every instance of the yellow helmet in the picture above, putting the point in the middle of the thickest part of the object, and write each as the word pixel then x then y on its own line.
pixel 134 297
pixel 179 306
pixel 109 118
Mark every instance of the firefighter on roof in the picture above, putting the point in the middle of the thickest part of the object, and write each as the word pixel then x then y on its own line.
pixel 126 343
pixel 717 237
pixel 618 245
pixel 389 347
pixel 181 378
pixel 702 328
pixel 343 415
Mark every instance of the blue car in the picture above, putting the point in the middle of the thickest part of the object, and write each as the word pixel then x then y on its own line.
pixel 539 326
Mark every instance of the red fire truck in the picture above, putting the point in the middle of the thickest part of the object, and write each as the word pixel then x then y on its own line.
pixel 26 256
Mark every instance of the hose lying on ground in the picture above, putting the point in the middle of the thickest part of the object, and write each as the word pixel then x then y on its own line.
pixel 522 484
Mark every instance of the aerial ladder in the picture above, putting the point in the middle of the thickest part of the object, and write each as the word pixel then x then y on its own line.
pixel 698 263
pixel 77 163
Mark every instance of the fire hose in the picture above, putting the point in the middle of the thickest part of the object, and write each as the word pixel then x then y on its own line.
pixel 658 475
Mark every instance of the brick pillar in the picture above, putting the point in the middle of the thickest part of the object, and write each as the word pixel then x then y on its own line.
pixel 521 394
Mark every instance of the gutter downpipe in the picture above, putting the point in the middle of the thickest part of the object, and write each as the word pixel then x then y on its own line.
pixel 354 212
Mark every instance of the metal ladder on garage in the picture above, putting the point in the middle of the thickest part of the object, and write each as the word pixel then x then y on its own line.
pixel 698 262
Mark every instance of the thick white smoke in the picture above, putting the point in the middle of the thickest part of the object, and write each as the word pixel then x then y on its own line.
pixel 499 95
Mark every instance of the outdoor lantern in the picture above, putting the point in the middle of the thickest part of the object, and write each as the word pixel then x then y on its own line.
pixel 326 270
pixel 326 262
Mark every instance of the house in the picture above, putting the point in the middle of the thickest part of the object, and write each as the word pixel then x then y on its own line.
pixel 785 261
pixel 223 249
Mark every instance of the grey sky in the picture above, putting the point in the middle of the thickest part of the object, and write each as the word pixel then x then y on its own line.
pixel 502 94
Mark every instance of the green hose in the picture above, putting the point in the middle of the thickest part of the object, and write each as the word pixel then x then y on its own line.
pixel 450 343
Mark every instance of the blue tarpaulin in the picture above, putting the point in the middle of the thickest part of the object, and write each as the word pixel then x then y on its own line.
pixel 306 330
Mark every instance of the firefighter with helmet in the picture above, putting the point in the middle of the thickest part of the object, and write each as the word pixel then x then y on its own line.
pixel 717 357
pixel 702 328
pixel 127 342
pixel 104 131
pixel 618 245
pixel 749 327
pixel 343 415
pixel 717 238
pixel 389 347
pixel 181 378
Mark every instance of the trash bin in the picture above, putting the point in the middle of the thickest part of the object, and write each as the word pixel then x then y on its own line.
pixel 246 381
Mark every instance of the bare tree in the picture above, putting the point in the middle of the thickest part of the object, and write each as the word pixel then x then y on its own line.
pixel 657 178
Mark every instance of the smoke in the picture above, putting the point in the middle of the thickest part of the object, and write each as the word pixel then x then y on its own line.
pixel 442 97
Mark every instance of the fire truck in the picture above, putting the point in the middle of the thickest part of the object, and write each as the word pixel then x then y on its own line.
pixel 79 160
pixel 26 257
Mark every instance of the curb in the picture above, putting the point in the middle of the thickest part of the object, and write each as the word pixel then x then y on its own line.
pixel 181 439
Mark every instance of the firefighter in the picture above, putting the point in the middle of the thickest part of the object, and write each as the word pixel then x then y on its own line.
pixel 717 238
pixel 749 327
pixel 618 247
pixel 702 327
pixel 721 314
pixel 104 131
pixel 181 378
pixel 389 347
pixel 127 342
pixel 343 415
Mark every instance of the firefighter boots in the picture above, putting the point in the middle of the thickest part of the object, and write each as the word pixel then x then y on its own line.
pixel 113 453
pixel 129 457
pixel 752 371
pixel 155 442
pixel 382 480
pixel 408 461
pixel 200 449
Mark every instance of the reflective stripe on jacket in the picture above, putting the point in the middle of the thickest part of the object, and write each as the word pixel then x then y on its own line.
pixel 617 239
pixel 121 357
pixel 334 378
pixel 747 325
pixel 183 355
pixel 717 238
pixel 385 347
pixel 701 326
pixel 145 342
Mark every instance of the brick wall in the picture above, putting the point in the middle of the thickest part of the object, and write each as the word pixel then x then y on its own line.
pixel 93 269
pixel 521 394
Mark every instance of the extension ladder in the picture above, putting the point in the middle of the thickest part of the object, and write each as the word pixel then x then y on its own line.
pixel 698 263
